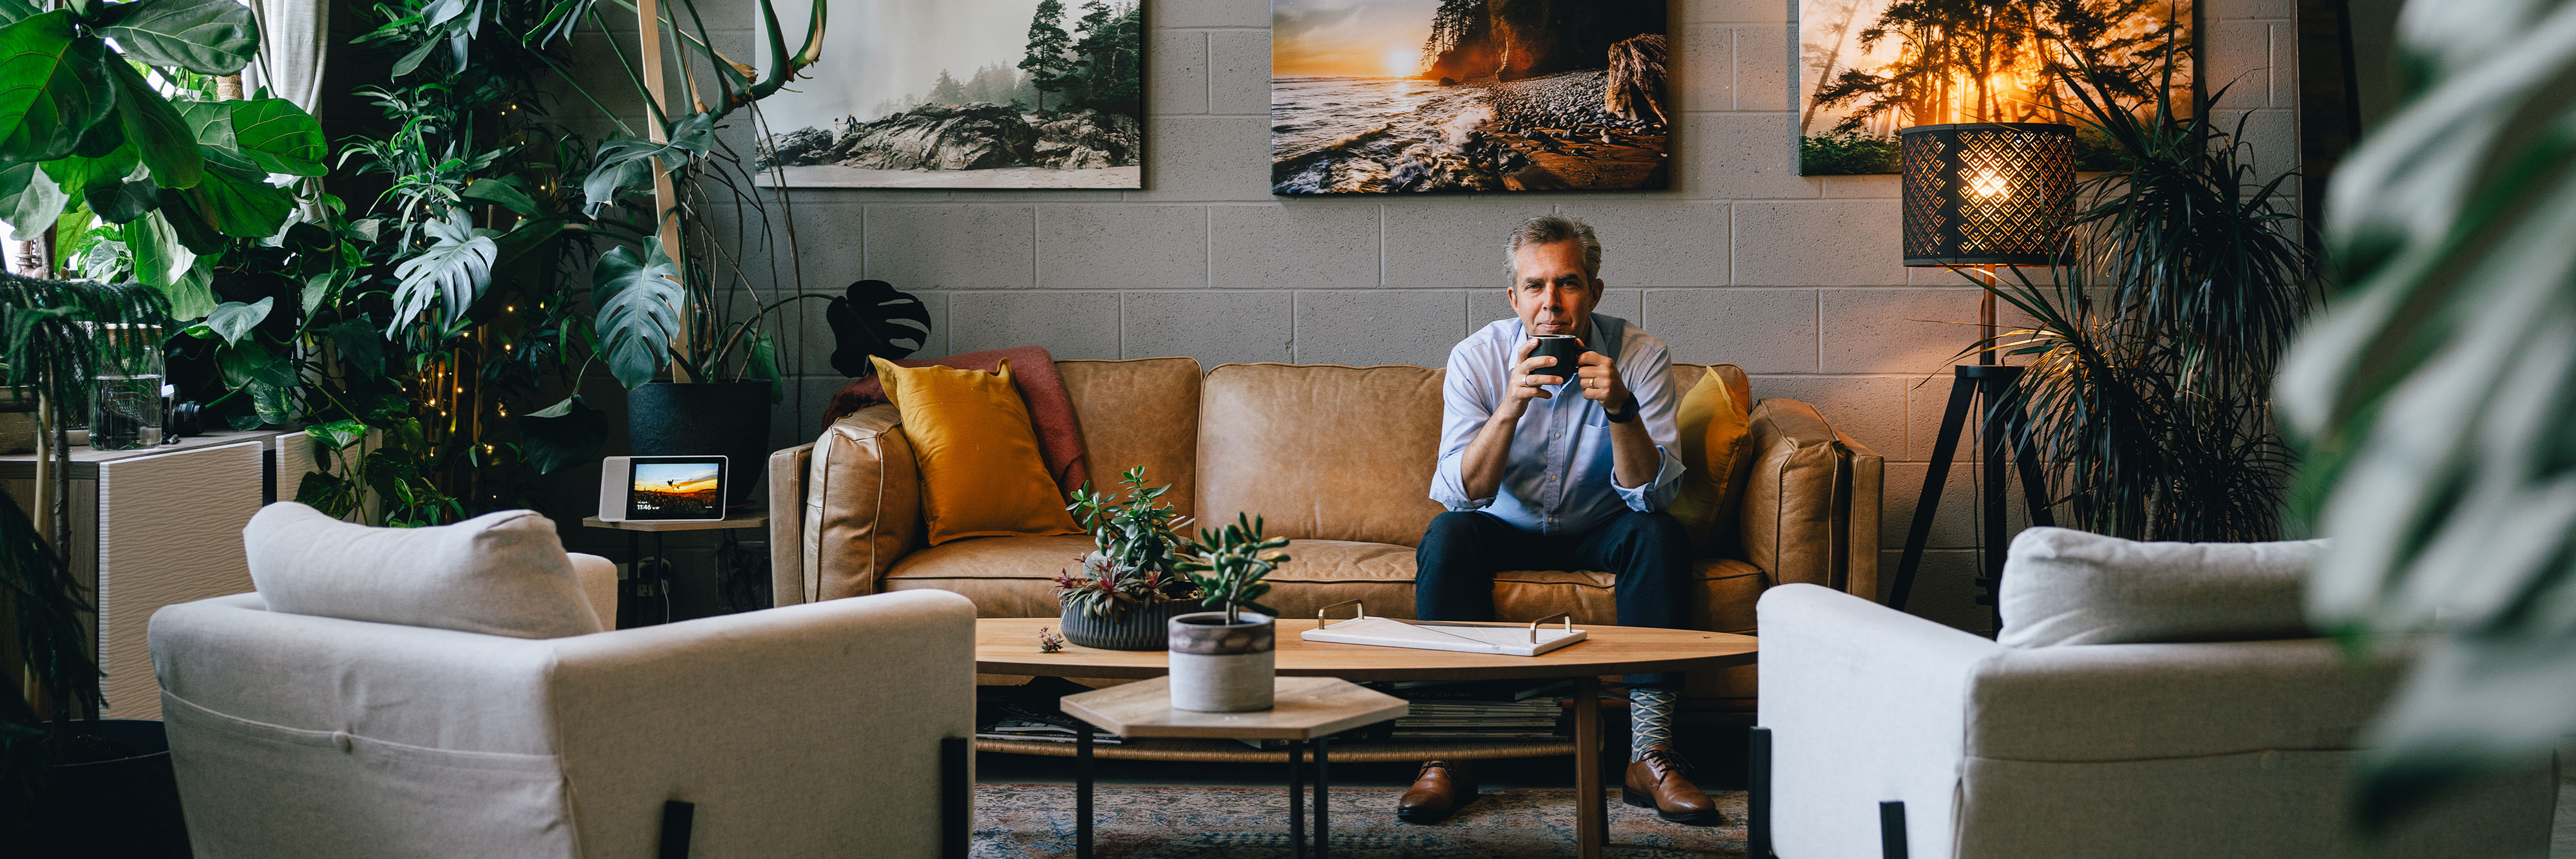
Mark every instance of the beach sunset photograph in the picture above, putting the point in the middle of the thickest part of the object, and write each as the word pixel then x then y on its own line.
pixel 1404 96
pixel 676 490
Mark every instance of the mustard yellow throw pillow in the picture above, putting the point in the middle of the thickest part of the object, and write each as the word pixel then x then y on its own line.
pixel 1717 453
pixel 981 475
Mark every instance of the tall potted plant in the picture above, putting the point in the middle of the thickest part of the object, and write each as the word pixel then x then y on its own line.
pixel 2151 352
pixel 1223 661
pixel 70 783
pixel 1131 585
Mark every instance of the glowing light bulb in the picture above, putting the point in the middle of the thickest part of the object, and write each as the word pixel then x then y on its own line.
pixel 1988 183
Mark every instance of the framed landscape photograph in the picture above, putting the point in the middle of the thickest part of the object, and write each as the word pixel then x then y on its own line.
pixel 1869 67
pixel 1408 96
pixel 966 94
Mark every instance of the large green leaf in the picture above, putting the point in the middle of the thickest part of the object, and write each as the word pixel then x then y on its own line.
pixel 626 164
pixel 161 137
pixel 14 11
pixel 279 136
pixel 232 320
pixel 452 272
pixel 209 37
pixel 238 205
pixel 53 87
pixel 562 435
pixel 210 123
pixel 31 198
pixel 77 172
pixel 504 193
pixel 639 299
pixel 162 262
pixel 872 318
pixel 2437 402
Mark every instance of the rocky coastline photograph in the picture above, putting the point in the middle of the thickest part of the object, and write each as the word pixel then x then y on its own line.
pixel 1869 67
pixel 966 94
pixel 1409 96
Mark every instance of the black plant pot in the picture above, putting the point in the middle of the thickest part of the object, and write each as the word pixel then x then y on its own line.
pixel 123 806
pixel 704 418
pixel 1137 628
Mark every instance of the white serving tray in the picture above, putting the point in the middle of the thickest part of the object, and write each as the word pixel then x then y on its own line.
pixel 1506 640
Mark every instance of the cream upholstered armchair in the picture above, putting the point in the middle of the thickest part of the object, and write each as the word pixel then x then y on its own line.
pixel 777 733
pixel 2143 700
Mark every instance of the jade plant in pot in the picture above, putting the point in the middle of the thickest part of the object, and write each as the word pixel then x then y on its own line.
pixel 1121 593
pixel 1223 661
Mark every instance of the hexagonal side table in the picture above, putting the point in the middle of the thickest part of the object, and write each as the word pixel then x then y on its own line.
pixel 1307 710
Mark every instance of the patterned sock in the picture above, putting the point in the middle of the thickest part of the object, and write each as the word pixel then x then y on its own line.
pixel 1650 720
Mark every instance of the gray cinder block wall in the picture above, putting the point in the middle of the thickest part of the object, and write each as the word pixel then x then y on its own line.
pixel 1797 279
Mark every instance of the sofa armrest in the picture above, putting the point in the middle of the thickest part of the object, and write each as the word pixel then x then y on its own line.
pixel 862 506
pixel 787 470
pixel 2120 702
pixel 799 731
pixel 1865 704
pixel 1799 518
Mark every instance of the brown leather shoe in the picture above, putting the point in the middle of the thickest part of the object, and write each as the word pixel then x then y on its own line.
pixel 1440 789
pixel 1657 780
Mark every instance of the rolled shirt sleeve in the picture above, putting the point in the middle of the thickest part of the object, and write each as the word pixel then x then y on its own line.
pixel 1650 379
pixel 1466 402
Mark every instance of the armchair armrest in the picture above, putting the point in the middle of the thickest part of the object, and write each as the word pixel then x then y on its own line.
pixel 787 470
pixel 1811 502
pixel 861 506
pixel 1865 704
pixel 797 731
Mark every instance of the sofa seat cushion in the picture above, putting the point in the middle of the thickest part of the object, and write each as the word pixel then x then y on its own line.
pixel 1015 577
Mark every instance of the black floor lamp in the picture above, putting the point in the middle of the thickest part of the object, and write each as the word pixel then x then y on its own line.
pixel 1978 196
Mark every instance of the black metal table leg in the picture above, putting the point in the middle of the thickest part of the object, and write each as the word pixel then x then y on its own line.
pixel 1297 799
pixel 662 575
pixel 1081 789
pixel 1323 803
pixel 630 604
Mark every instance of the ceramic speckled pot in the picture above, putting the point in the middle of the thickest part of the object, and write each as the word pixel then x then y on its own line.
pixel 1220 667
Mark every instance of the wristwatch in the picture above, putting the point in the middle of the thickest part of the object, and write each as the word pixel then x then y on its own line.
pixel 1623 414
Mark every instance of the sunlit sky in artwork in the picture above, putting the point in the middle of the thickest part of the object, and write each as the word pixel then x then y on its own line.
pixel 1348 38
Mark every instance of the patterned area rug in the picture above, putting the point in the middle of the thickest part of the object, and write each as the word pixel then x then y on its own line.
pixel 1137 822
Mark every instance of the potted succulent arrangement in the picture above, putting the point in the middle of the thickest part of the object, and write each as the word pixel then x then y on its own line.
pixel 1223 661
pixel 1122 592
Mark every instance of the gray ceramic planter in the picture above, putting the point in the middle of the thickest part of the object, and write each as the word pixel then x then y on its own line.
pixel 1220 667
pixel 1137 628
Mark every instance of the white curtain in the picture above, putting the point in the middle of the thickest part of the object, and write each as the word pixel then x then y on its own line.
pixel 291 46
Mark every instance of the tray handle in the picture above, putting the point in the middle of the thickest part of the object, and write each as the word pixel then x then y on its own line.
pixel 1362 613
pixel 1566 616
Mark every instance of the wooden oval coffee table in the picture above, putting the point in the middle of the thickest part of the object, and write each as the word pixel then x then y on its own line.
pixel 1009 646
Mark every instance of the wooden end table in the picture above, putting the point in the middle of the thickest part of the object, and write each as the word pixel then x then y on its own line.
pixel 1306 710
pixel 1009 646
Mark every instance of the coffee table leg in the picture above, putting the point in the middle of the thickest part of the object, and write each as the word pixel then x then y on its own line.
pixel 1591 811
pixel 1081 789
pixel 1323 804
pixel 1297 799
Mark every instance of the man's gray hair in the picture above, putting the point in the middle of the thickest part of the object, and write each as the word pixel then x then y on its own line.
pixel 1548 230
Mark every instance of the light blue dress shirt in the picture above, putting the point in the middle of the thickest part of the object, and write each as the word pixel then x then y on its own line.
pixel 1559 479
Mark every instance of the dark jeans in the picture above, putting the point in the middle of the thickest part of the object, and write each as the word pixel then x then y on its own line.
pixel 1647 553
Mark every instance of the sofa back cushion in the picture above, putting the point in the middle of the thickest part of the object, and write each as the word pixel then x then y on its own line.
pixel 1141 412
pixel 498 574
pixel 2071 587
pixel 1321 452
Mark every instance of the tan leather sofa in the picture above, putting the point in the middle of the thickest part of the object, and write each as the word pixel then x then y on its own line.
pixel 1339 459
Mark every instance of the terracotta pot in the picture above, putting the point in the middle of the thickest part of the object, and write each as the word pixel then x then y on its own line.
pixel 1220 667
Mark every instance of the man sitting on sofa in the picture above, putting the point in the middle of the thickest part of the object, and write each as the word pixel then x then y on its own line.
pixel 1546 467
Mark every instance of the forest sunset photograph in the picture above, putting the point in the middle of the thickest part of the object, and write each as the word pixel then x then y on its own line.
pixel 1867 68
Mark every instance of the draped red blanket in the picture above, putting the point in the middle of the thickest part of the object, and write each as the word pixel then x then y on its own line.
pixel 1041 387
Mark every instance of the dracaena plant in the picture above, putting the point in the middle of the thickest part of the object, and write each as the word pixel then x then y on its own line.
pixel 1229 564
pixel 2436 401
pixel 1137 559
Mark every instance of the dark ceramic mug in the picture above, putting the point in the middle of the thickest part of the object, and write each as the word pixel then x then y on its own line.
pixel 1565 348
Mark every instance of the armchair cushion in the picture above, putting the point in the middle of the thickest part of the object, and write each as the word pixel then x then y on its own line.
pixel 2070 587
pixel 498 574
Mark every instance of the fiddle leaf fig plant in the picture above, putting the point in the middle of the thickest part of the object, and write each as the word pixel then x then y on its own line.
pixel 1230 564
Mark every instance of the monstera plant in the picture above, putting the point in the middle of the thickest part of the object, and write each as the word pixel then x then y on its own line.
pixel 2436 401
pixel 85 129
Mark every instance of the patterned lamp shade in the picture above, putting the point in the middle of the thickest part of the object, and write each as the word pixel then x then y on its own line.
pixel 1987 193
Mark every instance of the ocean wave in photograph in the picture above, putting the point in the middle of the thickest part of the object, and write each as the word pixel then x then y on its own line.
pixel 1394 135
